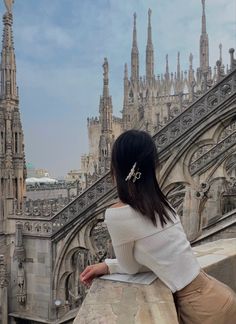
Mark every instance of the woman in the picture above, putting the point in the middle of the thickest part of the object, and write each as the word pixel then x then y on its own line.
pixel 147 235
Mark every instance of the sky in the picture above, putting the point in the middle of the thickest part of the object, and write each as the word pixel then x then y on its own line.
pixel 60 46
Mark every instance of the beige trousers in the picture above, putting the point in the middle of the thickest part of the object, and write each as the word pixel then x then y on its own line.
pixel 206 301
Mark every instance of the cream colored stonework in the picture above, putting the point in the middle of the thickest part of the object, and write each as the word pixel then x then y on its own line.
pixel 111 302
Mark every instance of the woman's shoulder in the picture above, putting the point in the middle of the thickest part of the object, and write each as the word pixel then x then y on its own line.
pixel 118 204
pixel 119 212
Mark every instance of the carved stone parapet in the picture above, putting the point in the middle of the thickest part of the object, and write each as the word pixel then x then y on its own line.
pixel 84 201
pixel 213 153
pixel 37 227
pixel 196 112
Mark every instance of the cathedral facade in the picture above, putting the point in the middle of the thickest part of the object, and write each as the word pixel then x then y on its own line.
pixel 149 101
pixel 44 249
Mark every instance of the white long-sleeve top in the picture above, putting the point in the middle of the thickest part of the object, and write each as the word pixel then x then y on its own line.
pixel 141 246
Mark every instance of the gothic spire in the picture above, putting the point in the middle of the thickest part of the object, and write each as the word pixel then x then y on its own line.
pixel 203 18
pixel 220 48
pixel 149 51
pixel 126 85
pixel 167 75
pixel 135 54
pixel 105 107
pixel 106 119
pixel 105 78
pixel 190 71
pixel 8 65
pixel 178 66
pixel 204 44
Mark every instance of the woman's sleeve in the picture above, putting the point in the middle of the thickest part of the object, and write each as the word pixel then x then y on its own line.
pixel 125 261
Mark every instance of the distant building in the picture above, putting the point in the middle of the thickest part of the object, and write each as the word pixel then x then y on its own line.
pixel 32 172
pixel 78 176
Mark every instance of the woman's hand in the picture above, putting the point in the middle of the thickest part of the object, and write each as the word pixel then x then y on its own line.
pixel 92 271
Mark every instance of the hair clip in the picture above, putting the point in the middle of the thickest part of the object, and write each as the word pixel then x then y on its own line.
pixel 136 175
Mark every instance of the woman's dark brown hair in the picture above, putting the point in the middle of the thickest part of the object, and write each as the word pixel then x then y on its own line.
pixel 144 195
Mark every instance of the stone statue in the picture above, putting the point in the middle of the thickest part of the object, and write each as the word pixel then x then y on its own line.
pixel 8 4
pixel 21 293
pixel 105 68
pixel 19 255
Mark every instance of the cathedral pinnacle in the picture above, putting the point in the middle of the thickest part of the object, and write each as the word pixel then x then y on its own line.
pixel 105 78
pixel 167 75
pixel 149 27
pixel 204 46
pixel 135 31
pixel 191 60
pixel 105 107
pixel 220 48
pixel 178 66
pixel 149 51
pixel 8 64
pixel 8 4
pixel 203 17
pixel 134 54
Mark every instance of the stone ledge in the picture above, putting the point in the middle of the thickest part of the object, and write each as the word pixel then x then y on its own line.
pixel 110 302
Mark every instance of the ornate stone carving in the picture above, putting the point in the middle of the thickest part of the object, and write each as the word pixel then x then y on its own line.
pixel 3 272
pixel 21 282
pixel 8 4
pixel 19 251
pixel 101 241
pixel 227 130
pixel 19 255
pixel 210 156
pixel 75 290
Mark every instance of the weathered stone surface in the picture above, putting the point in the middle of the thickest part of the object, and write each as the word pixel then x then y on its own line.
pixel 119 303
pixel 111 302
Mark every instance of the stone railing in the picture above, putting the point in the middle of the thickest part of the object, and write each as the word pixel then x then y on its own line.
pixel 207 105
pixel 115 302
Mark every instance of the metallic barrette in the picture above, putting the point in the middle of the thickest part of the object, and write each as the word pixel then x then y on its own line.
pixel 136 175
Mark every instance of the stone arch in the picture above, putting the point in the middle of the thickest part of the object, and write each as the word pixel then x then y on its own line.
pixel 182 150
pixel 229 126
pixel 70 245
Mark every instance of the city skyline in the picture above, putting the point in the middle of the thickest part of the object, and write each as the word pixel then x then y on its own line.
pixel 59 62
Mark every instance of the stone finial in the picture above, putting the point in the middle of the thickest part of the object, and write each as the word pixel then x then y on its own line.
pixel 220 49
pixel 105 68
pixel 232 59
pixel 135 31
pixel 203 17
pixel 191 59
pixel 203 6
pixel 9 4
pixel 135 17
pixel 135 54
pixel 149 27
